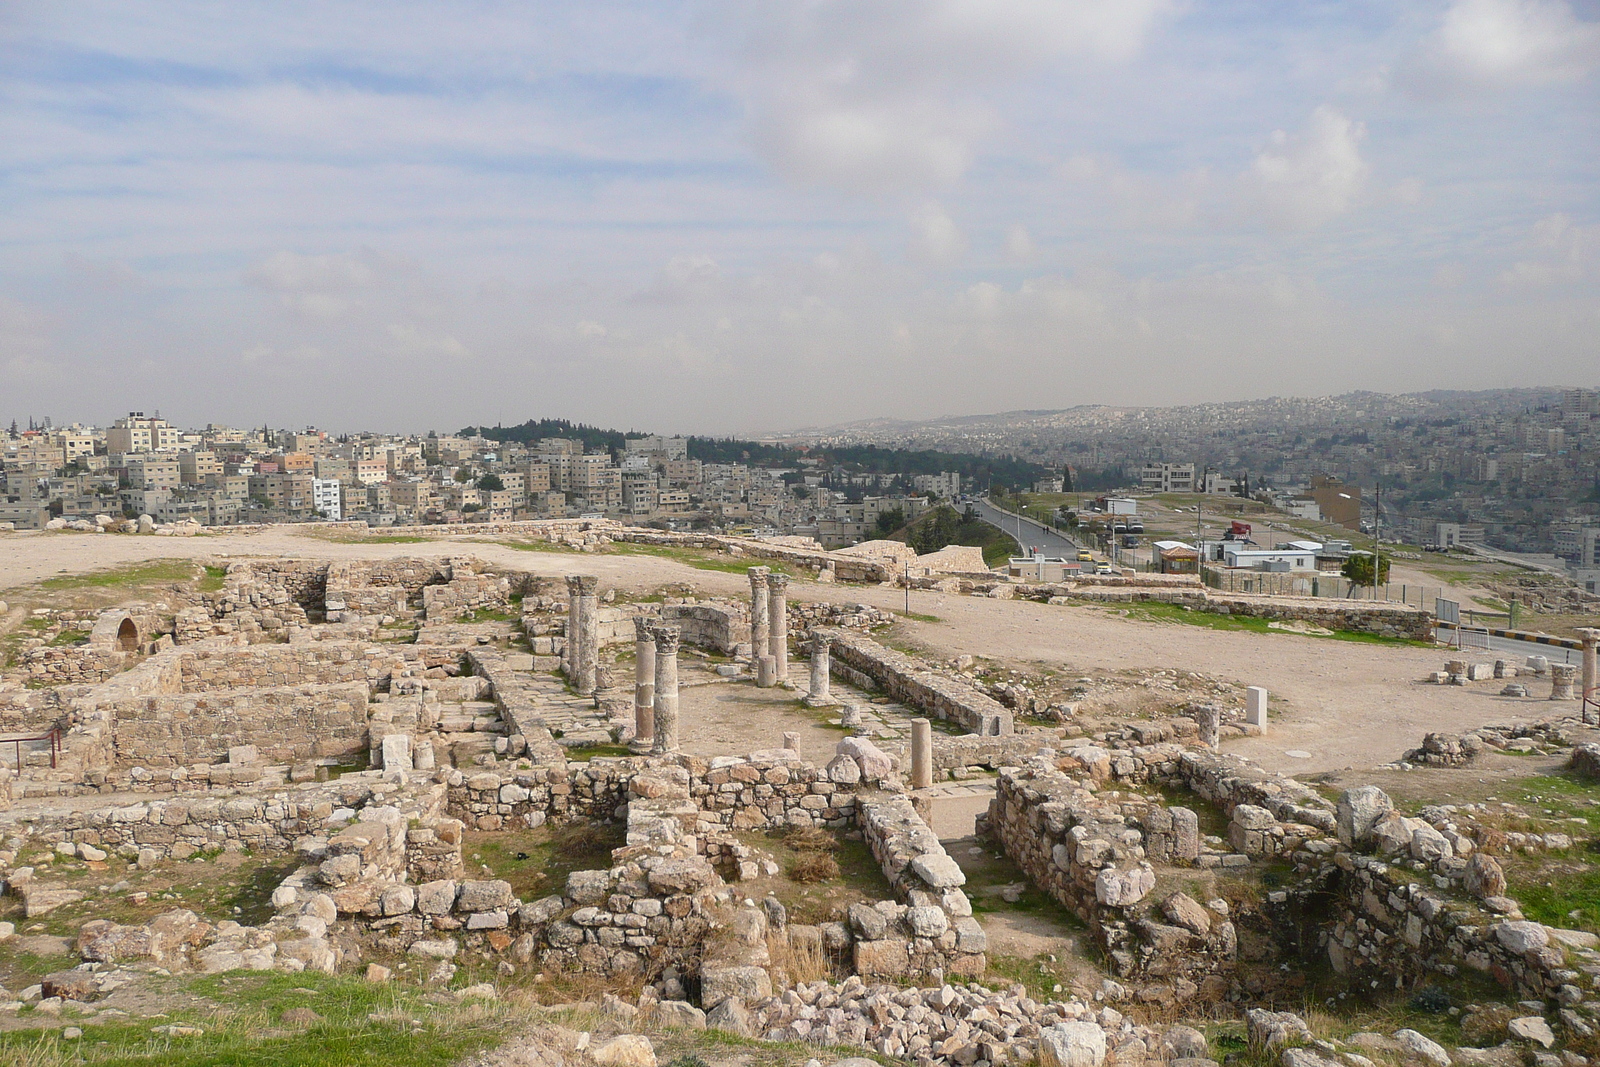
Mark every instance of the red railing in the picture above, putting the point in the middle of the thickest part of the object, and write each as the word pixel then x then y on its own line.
pixel 53 735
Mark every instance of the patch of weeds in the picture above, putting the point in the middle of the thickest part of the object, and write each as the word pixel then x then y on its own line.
pixel 917 616
pixel 213 580
pixel 1154 611
pixel 699 560
pixel 536 862
pixel 68 637
pixel 585 753
pixel 161 570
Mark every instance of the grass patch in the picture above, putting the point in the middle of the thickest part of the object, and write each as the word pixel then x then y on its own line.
pixel 585 753
pixel 860 880
pixel 69 637
pixel 161 570
pixel 212 582
pixel 537 862
pixel 702 561
pixel 490 615
pixel 1155 611
pixel 917 616
pixel 242 1015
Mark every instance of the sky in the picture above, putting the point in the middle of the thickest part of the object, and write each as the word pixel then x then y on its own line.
pixel 720 217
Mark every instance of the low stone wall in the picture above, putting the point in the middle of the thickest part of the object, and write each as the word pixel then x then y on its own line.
pixel 721 627
pixel 766 790
pixel 270 822
pixel 908 682
pixel 288 724
pixel 930 930
pixel 320 663
pixel 1094 853
pixel 1382 928
pixel 74 664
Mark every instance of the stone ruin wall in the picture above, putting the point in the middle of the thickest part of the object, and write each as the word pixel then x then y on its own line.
pixel 1376 920
pixel 862 662
pixel 177 828
pixel 288 724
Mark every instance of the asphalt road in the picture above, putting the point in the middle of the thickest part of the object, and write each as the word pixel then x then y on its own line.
pixel 1033 534
pixel 1519 649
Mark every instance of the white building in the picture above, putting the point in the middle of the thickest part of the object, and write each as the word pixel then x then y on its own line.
pixel 1167 477
pixel 1251 557
pixel 327 497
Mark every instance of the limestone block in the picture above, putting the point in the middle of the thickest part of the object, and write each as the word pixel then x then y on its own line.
pixel 927 921
pixel 1072 1044
pixel 244 754
pixel 720 982
pixel 1424 1048
pixel 398 899
pixel 1269 1030
pixel 1521 938
pixel 1358 811
pixel 1480 672
pixel 888 957
pixel 938 870
pixel 625 1050
pixel 1255 707
pixel 436 898
pixel 397 752
pixel 1123 888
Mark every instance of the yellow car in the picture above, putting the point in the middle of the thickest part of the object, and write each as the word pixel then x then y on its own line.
pixel 1085 556
pixel 1104 568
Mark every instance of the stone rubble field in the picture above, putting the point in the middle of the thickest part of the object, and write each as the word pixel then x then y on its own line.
pixel 540 799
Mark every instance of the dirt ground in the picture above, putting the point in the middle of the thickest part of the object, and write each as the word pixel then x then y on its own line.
pixel 1342 704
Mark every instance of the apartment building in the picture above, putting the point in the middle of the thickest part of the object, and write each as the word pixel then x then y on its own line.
pixel 136 433
pixel 327 498
pixel 1167 477
pixel 193 467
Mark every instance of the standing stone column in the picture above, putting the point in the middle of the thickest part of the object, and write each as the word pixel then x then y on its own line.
pixel 1209 718
pixel 1255 707
pixel 778 620
pixel 666 705
pixel 818 696
pixel 921 753
pixel 1562 675
pixel 572 652
pixel 644 682
pixel 1591 673
pixel 588 632
pixel 758 614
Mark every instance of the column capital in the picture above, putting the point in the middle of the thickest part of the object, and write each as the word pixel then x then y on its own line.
pixel 1589 634
pixel 759 576
pixel 573 584
pixel 667 638
pixel 587 585
pixel 820 643
pixel 778 583
pixel 642 626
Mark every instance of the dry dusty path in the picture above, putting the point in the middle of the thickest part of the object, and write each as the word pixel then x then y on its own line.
pixel 1345 704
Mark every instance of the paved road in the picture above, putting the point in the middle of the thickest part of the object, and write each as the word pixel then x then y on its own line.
pixel 1554 653
pixel 1033 534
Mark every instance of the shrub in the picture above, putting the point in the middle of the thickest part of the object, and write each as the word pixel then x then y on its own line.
pixel 813 867
pixel 810 839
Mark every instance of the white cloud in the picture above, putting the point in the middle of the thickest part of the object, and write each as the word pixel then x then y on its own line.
pixel 1306 179
pixel 1019 244
pixel 880 95
pixel 935 236
pixel 1518 41
pixel 289 272
pixel 1563 250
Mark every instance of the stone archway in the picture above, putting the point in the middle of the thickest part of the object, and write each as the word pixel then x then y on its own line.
pixel 127 636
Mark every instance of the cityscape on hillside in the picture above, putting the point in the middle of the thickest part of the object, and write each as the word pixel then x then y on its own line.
pixel 1517 469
